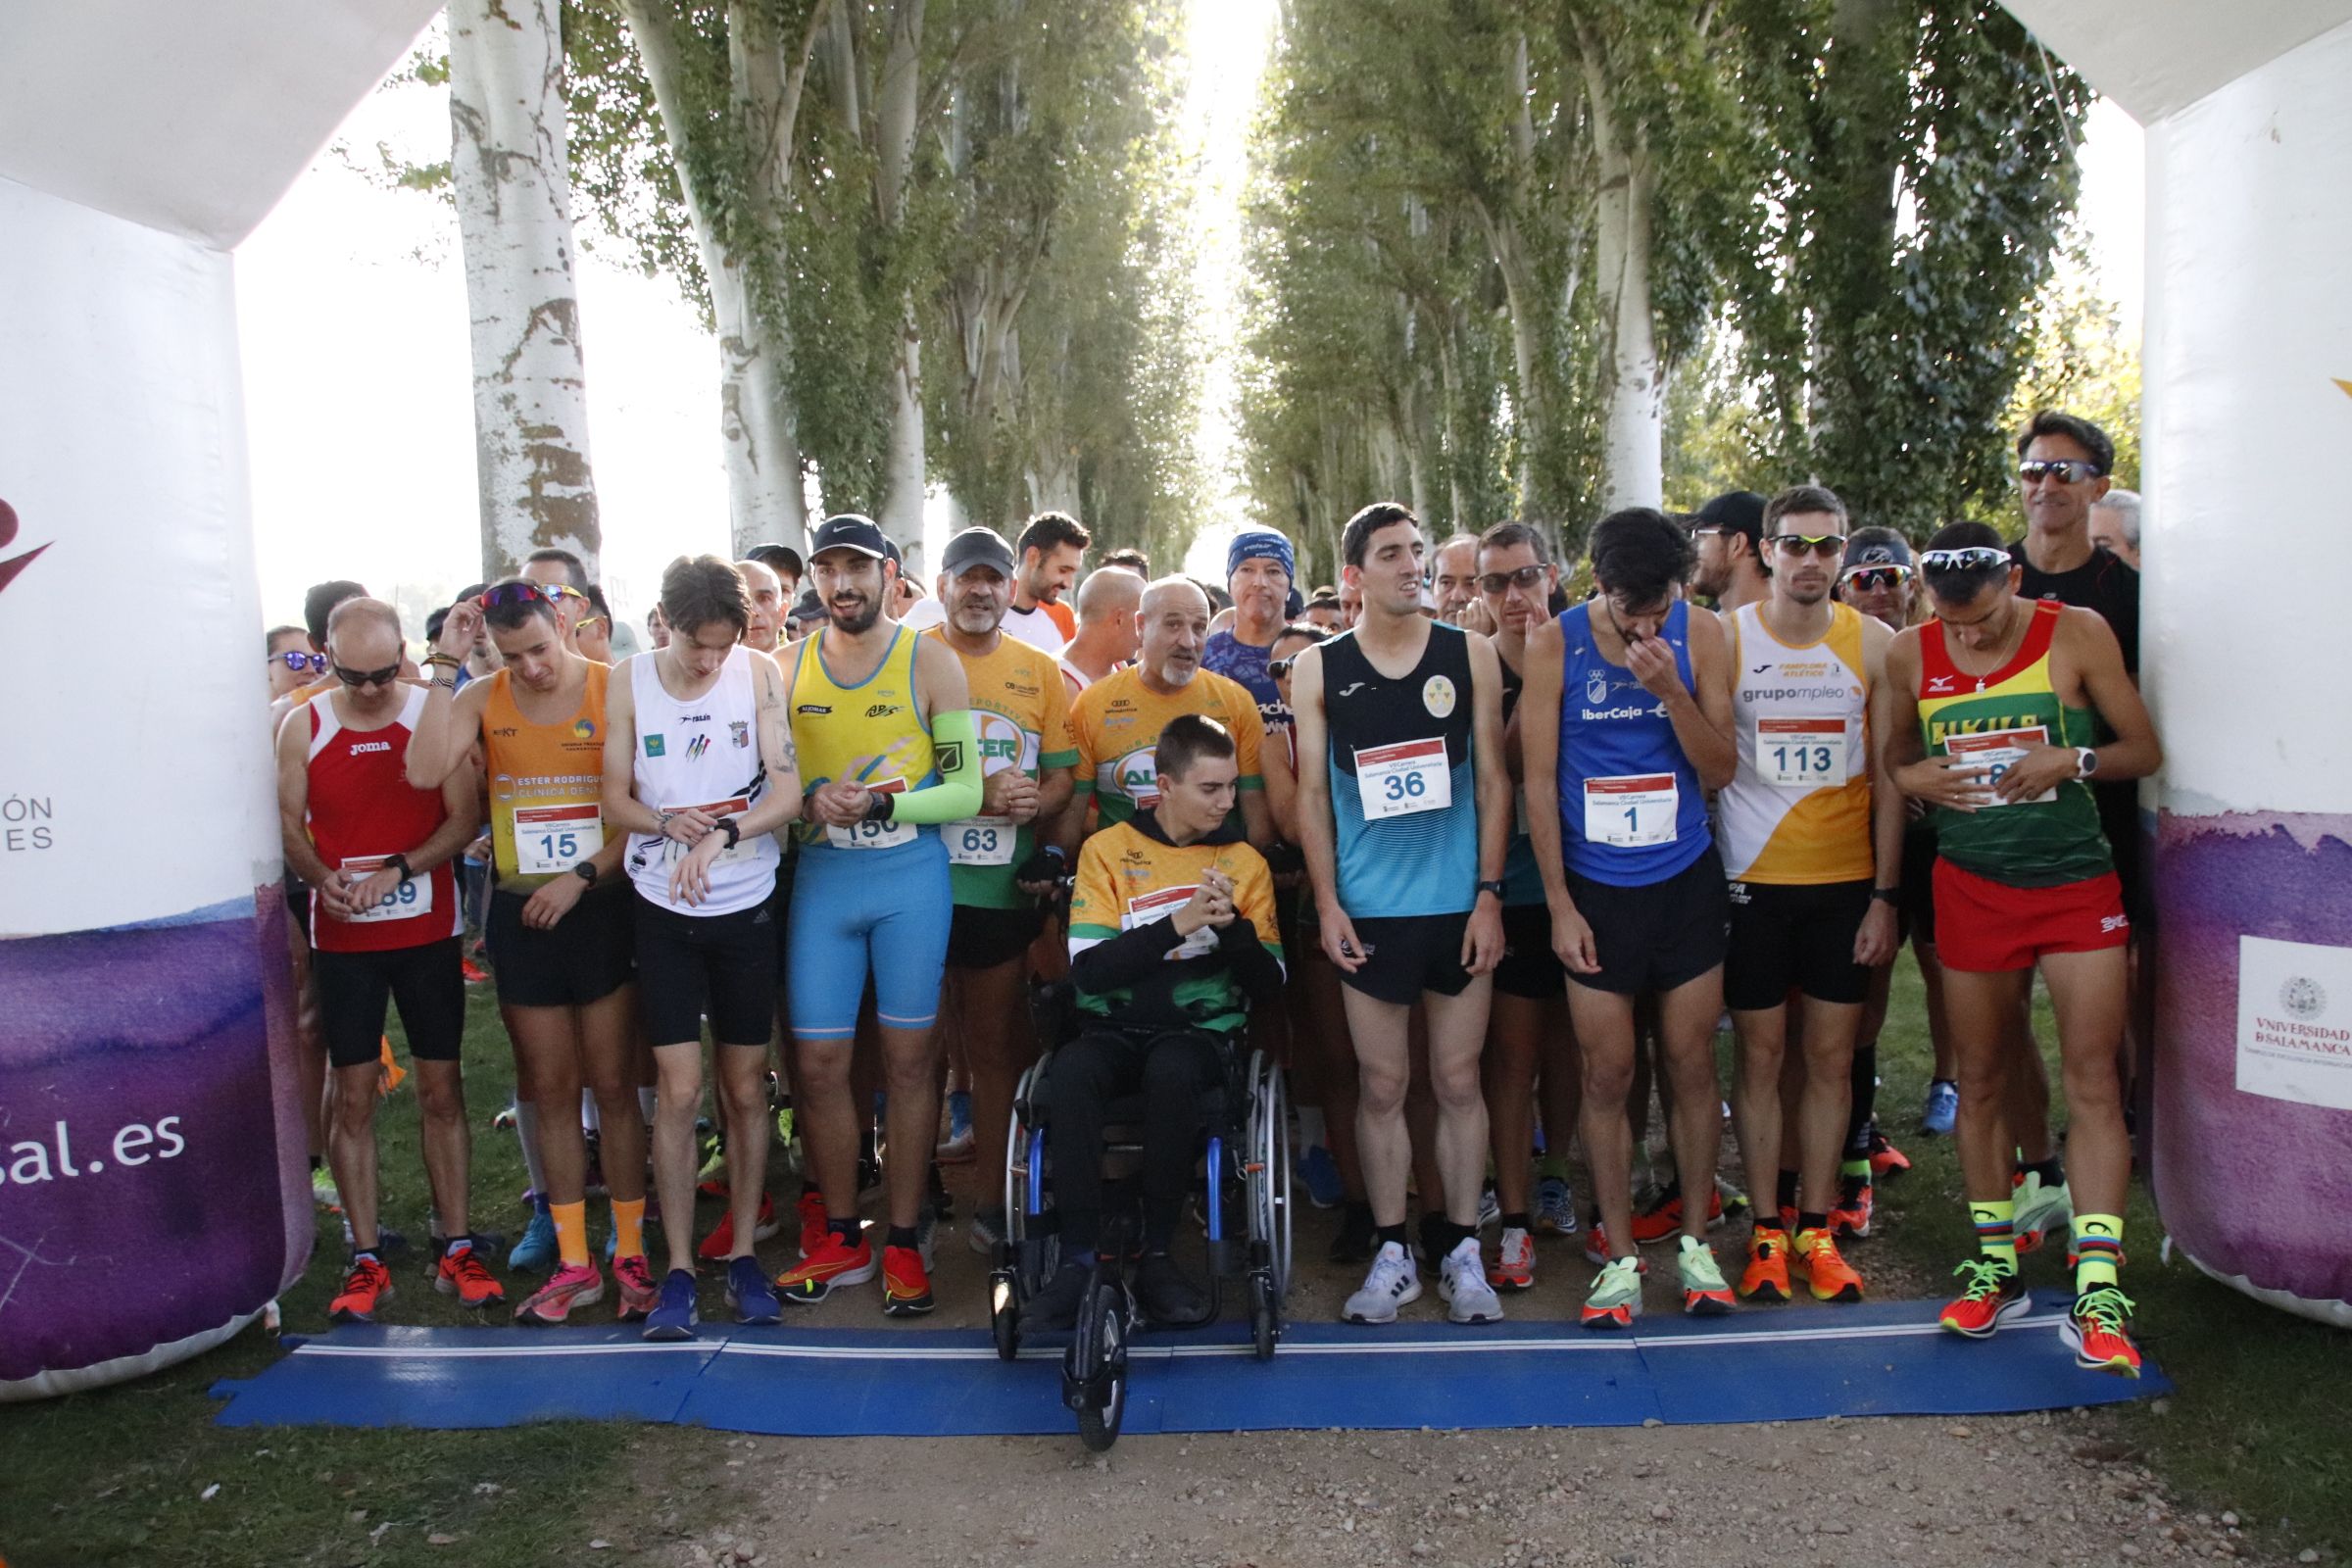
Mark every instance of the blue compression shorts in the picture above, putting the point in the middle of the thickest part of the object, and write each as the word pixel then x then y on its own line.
pixel 855 912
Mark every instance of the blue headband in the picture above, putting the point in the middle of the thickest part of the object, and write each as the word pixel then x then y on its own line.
pixel 1261 544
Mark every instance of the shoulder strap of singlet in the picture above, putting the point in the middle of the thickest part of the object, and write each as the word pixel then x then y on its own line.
pixel 411 708
pixel 1935 656
pixel 323 721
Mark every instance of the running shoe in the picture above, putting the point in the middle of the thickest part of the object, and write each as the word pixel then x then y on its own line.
pixel 1766 1278
pixel 1392 1283
pixel 2040 1209
pixel 461 1274
pixel 638 1294
pixel 956 1146
pixel 1514 1262
pixel 674 1314
pixel 536 1252
pixel 1616 1296
pixel 366 1287
pixel 1664 1216
pixel 906 1283
pixel 504 1121
pixel 1596 1246
pixel 1993 1295
pixel 1352 1242
pixel 1885 1160
pixel 323 1191
pixel 1556 1207
pixel 812 1209
pixel 750 1297
pixel 574 1285
pixel 835 1263
pixel 985 1231
pixel 2099 1331
pixel 1850 1219
pixel 721 1243
pixel 1942 1111
pixel 1704 1293
pixel 1319 1174
pixel 473 972
pixel 1462 1285
pixel 1489 1207
pixel 1826 1270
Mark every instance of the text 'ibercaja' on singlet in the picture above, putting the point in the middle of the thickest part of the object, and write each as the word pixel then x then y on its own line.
pixel 1993 719
pixel 1631 812
pixel 1404 790
pixel 701 753
pixel 869 734
pixel 546 783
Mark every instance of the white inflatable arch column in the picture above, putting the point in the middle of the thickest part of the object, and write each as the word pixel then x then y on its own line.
pixel 2248 460
pixel 153 1195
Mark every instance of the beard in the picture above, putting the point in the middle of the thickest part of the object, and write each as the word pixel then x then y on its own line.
pixel 860 619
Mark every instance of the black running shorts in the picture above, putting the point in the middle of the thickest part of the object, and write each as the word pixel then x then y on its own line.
pixel 423 982
pixel 723 965
pixel 585 957
pixel 980 938
pixel 1788 938
pixel 1407 954
pixel 1657 936
pixel 1528 967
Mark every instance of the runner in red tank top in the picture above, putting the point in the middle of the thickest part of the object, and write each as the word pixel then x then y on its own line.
pixel 384 925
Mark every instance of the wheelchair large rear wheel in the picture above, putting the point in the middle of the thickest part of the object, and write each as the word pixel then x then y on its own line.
pixel 1270 1177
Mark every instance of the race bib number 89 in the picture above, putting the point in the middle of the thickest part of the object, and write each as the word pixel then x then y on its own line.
pixel 405 902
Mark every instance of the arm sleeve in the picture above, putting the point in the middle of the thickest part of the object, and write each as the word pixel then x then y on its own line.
pixel 1110 963
pixel 956 754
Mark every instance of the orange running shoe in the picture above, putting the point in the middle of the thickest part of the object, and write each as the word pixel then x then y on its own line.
pixel 1831 1276
pixel 834 1262
pixel 1514 1261
pixel 1767 1275
pixel 1885 1158
pixel 1664 1216
pixel 906 1283
pixel 1851 1221
pixel 365 1288
pixel 1992 1298
pixel 812 1222
pixel 1596 1246
pixel 640 1291
pixel 719 1245
pixel 461 1274
pixel 570 1286
pixel 2099 1331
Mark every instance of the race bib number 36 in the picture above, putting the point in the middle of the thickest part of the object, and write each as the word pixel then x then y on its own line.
pixel 1402 778
pixel 1632 810
pixel 981 841
pixel 405 902
pixel 1801 753
pixel 553 839
pixel 1998 751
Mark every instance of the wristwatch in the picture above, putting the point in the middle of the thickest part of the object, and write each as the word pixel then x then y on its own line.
pixel 400 863
pixel 728 826
pixel 585 871
pixel 1886 895
pixel 1494 888
pixel 2087 762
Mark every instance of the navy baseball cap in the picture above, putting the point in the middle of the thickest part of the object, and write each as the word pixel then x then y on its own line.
pixel 850 532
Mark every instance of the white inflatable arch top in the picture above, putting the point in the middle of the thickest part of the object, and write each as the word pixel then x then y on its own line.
pixel 153 1196
pixel 2248 460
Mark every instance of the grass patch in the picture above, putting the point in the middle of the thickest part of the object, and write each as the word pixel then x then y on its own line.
pixel 2256 1422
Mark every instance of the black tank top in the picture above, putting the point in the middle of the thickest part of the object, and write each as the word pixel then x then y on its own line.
pixel 1366 708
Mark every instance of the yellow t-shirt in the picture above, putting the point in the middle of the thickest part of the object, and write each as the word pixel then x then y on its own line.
pixel 1118 722
pixel 1128 877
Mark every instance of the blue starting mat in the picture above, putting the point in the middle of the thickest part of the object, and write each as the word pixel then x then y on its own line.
pixel 1788 1365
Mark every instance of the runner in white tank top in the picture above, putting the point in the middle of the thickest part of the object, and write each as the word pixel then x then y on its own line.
pixel 700 753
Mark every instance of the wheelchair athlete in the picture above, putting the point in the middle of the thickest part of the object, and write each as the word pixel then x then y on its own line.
pixel 1172 938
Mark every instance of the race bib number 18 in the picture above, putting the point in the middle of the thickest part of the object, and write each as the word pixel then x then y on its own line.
pixel 1631 810
pixel 405 902
pixel 1998 751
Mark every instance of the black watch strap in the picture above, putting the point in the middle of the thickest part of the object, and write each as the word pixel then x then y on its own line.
pixel 1494 888
pixel 585 871
pixel 732 829
pixel 400 863
pixel 1887 895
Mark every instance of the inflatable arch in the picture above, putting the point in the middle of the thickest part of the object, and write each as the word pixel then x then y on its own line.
pixel 152 1192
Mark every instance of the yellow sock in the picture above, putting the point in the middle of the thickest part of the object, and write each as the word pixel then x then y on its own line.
pixel 571 1232
pixel 628 1227
pixel 2098 1250
pixel 1996 1233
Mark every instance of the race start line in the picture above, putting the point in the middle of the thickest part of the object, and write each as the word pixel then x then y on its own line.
pixel 1873 1359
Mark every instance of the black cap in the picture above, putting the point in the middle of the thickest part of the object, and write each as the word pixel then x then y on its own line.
pixel 1876 546
pixel 977 547
pixel 781 558
pixel 808 607
pixel 850 532
pixel 1738 512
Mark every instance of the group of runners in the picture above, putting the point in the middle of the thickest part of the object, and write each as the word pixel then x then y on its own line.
pixel 1486 864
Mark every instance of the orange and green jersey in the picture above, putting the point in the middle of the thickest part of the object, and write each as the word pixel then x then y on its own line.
pixel 1021 712
pixel 546 782
pixel 1129 875
pixel 2044 842
pixel 1118 722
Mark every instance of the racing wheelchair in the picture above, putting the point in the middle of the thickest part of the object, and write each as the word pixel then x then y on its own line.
pixel 1244 1197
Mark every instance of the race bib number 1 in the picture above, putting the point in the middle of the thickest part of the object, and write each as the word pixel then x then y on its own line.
pixel 1632 810
pixel 1159 906
pixel 1801 753
pixel 981 841
pixel 1403 778
pixel 409 900
pixel 553 839
pixel 1997 752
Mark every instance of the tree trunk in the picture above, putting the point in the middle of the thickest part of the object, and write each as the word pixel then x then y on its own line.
pixel 894 104
pixel 1634 431
pixel 509 165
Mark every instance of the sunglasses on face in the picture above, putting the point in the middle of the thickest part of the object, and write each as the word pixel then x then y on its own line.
pixel 356 678
pixel 1820 544
pixel 1497 582
pixel 1876 579
pixel 590 622
pixel 2062 470
pixel 1973 559
pixel 516 593
pixel 315 664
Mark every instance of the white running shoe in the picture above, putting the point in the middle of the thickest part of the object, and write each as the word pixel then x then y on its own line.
pixel 1462 1285
pixel 1392 1284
